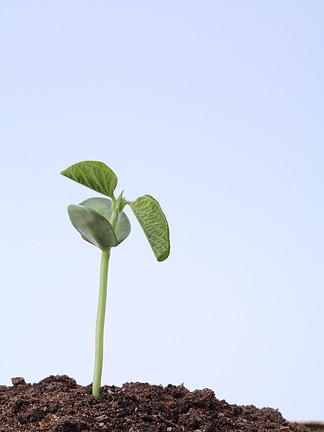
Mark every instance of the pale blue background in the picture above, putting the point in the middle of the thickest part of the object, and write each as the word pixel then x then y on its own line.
pixel 216 109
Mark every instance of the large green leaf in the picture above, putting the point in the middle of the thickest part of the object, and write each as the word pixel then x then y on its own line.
pixel 95 175
pixel 154 224
pixel 93 227
pixel 104 207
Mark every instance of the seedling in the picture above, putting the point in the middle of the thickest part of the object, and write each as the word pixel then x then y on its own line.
pixel 103 223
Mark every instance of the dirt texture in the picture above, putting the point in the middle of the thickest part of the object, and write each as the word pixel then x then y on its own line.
pixel 59 404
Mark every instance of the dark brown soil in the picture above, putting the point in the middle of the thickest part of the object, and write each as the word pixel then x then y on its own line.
pixel 58 404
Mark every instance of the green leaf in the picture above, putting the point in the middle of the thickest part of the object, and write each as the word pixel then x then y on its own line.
pixel 104 207
pixel 95 175
pixel 93 227
pixel 154 224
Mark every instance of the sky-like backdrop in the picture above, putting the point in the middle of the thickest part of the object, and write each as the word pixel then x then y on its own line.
pixel 216 109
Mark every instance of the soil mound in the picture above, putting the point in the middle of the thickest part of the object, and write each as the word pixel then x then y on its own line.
pixel 59 404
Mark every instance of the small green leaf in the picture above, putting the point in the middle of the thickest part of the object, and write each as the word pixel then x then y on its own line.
pixel 154 224
pixel 104 207
pixel 93 227
pixel 95 175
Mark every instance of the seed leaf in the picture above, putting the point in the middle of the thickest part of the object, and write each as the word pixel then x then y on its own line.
pixel 154 224
pixel 104 207
pixel 93 227
pixel 95 175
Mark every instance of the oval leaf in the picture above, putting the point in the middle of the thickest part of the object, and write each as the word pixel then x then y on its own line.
pixel 93 227
pixel 95 175
pixel 104 207
pixel 154 224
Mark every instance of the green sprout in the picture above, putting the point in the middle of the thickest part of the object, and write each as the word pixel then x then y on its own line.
pixel 103 223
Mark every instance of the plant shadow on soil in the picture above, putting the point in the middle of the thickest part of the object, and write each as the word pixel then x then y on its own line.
pixel 59 404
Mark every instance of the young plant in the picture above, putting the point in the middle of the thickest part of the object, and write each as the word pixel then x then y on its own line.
pixel 103 223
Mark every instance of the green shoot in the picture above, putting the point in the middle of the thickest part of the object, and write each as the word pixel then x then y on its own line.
pixel 103 223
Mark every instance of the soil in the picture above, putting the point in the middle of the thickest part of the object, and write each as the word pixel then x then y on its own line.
pixel 59 404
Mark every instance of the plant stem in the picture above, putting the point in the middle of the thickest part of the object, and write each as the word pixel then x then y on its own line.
pixel 100 324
